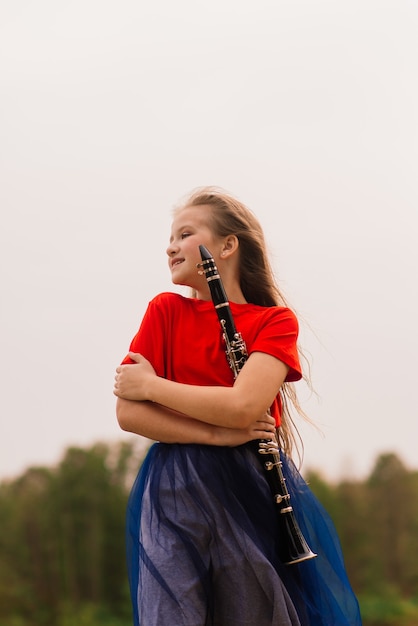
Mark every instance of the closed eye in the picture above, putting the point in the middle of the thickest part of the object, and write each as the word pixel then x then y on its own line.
pixel 184 235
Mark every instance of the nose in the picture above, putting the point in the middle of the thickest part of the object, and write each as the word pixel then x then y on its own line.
pixel 171 249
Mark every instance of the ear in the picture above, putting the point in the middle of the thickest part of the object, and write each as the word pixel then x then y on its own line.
pixel 229 246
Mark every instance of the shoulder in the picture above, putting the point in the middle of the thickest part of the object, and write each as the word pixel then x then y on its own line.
pixel 168 299
pixel 172 305
pixel 276 333
pixel 279 321
pixel 262 315
pixel 282 315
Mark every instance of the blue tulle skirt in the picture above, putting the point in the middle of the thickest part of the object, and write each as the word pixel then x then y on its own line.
pixel 203 544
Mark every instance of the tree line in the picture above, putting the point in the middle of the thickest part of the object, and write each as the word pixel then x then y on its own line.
pixel 62 540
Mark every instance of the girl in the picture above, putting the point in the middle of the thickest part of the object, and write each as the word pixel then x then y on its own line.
pixel 202 525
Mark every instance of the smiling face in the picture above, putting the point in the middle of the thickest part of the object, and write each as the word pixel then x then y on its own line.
pixel 190 228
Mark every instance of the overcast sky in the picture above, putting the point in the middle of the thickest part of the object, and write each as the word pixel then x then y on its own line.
pixel 111 111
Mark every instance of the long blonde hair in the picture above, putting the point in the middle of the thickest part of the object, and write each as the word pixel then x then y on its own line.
pixel 257 281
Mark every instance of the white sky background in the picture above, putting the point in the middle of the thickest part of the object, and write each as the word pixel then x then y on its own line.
pixel 111 111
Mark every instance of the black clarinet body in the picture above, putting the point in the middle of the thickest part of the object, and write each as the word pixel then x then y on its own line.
pixel 293 548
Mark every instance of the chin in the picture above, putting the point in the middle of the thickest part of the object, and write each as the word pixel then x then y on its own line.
pixel 176 280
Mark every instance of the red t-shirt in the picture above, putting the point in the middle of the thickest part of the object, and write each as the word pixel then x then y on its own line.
pixel 182 339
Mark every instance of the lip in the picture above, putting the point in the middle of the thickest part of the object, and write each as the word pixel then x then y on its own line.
pixel 176 261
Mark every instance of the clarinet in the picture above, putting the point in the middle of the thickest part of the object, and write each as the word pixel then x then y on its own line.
pixel 294 548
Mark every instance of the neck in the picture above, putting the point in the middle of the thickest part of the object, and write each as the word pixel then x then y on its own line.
pixel 232 289
pixel 235 295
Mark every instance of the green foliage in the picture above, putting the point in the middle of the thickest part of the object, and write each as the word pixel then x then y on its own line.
pixel 62 549
pixel 388 609
pixel 377 522
pixel 85 615
pixel 62 546
pixel 90 615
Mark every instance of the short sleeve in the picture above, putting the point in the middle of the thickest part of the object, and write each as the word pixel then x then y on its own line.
pixel 150 338
pixel 278 337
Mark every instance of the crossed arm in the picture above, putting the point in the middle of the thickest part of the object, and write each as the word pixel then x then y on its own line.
pixel 178 413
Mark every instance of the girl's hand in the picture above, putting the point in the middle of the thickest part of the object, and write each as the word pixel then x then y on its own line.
pixel 263 428
pixel 131 380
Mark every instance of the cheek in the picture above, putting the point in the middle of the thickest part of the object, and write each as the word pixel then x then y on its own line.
pixel 209 243
pixel 193 248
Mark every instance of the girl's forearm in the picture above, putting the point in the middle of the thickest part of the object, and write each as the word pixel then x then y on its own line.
pixel 219 406
pixel 159 423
